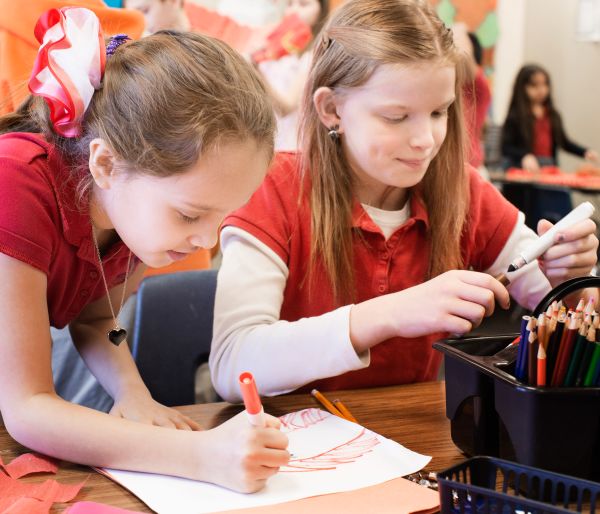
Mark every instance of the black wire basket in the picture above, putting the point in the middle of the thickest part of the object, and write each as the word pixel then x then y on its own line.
pixel 490 485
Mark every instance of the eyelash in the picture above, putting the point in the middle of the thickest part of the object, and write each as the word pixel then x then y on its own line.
pixel 435 114
pixel 187 219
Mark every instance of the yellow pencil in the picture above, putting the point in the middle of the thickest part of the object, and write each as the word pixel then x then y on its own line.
pixel 327 404
pixel 344 410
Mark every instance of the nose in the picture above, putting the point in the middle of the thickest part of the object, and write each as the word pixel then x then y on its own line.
pixel 207 240
pixel 421 136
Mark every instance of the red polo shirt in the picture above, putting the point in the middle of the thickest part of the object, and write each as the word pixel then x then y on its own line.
pixel 43 224
pixel 278 215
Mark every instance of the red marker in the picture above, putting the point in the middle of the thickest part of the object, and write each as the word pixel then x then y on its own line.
pixel 254 408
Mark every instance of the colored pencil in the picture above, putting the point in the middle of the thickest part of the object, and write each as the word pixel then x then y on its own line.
pixel 586 359
pixel 594 368
pixel 564 352
pixel 576 356
pixel 554 342
pixel 532 359
pixel 541 366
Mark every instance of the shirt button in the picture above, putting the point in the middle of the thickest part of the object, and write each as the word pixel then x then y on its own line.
pixel 93 275
pixel 381 288
pixel 385 256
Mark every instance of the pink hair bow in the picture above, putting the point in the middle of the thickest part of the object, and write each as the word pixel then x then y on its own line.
pixel 69 65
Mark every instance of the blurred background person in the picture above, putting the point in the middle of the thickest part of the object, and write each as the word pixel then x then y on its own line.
pixel 533 130
pixel 286 76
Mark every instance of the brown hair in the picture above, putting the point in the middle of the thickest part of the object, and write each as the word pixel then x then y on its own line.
pixel 360 36
pixel 163 102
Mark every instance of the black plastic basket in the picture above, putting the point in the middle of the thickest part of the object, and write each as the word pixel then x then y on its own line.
pixel 489 485
pixel 492 413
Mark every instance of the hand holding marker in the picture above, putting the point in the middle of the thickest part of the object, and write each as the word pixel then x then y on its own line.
pixel 580 213
pixel 254 408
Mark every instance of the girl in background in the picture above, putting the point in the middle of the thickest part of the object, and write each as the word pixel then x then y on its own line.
pixel 132 156
pixel 533 130
pixel 354 256
pixel 286 77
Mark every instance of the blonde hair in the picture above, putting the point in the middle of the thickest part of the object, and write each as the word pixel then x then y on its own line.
pixel 164 101
pixel 361 36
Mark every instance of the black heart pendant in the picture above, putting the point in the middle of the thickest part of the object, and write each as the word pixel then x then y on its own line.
pixel 117 336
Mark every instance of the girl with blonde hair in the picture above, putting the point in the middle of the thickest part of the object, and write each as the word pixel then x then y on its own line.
pixel 378 238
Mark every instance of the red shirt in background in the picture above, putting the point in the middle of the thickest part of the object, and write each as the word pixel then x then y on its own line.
pixel 477 99
pixel 542 137
pixel 275 216
pixel 43 225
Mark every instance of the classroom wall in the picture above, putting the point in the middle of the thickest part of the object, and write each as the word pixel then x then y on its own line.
pixel 543 31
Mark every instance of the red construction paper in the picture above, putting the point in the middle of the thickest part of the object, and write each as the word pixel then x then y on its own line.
pixel 29 463
pixel 17 505
pixel 96 508
pixel 50 490
pixel 290 36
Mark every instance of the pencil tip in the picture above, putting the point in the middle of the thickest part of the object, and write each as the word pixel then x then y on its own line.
pixel 512 268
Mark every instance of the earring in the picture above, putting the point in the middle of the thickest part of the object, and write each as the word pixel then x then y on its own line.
pixel 334 134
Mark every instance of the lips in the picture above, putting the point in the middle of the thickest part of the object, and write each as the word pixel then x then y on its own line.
pixel 413 163
pixel 177 256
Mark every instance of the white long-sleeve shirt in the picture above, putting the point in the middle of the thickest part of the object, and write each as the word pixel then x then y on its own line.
pixel 248 333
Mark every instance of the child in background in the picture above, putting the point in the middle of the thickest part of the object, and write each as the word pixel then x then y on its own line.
pixel 286 77
pixel 160 14
pixel 140 156
pixel 533 130
pixel 354 256
pixel 476 95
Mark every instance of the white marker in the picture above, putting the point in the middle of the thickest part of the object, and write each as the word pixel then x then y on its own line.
pixel 580 213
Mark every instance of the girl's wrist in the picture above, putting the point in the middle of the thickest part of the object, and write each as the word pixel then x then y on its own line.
pixel 372 322
pixel 129 386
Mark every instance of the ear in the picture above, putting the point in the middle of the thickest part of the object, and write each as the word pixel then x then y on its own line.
pixel 101 163
pixel 326 104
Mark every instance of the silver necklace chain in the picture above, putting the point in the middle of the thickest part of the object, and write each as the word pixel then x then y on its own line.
pixel 115 317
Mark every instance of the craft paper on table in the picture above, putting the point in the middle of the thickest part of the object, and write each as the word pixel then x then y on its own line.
pixel 330 455
pixel 398 496
pixel 19 497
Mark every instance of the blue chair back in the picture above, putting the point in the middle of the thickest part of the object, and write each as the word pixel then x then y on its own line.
pixel 173 331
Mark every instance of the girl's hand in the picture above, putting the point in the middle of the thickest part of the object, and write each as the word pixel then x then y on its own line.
pixel 143 409
pixel 530 163
pixel 241 456
pixel 455 302
pixel 591 155
pixel 573 253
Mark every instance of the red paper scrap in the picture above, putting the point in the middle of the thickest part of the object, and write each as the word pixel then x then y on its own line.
pixel 50 490
pixel 19 505
pixel 29 463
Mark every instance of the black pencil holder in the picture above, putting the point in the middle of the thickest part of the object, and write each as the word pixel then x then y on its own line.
pixel 489 485
pixel 492 413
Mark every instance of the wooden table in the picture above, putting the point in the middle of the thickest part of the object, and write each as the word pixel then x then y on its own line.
pixel 413 415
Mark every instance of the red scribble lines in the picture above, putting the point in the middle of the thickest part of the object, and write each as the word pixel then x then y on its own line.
pixel 302 419
pixel 345 453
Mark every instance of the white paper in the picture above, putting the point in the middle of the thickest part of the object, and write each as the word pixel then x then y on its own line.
pixel 329 455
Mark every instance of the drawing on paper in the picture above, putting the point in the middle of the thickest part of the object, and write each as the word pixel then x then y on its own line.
pixel 345 453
